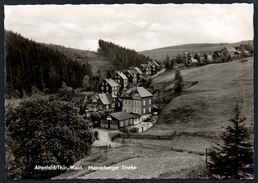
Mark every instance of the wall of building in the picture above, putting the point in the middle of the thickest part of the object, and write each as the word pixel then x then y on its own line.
pixel 132 105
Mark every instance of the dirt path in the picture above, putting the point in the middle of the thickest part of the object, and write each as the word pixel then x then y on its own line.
pixel 158 73
pixel 104 139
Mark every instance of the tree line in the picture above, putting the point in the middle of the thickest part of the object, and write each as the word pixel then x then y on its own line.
pixel 29 64
pixel 121 57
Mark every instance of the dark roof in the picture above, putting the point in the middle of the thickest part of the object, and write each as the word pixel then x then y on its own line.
pixel 111 82
pixel 141 90
pixel 122 115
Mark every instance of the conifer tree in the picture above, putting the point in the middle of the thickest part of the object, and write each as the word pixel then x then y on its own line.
pixel 178 83
pixel 233 157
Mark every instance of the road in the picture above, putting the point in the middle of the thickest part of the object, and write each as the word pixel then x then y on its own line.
pixel 104 138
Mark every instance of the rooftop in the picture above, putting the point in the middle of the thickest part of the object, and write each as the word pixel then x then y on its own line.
pixel 106 98
pixel 138 70
pixel 122 115
pixel 121 75
pixel 111 82
pixel 141 90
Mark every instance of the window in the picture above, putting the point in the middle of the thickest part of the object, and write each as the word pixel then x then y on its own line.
pixel 102 88
pixel 135 102
pixel 144 111
pixel 128 110
pixel 149 109
pixel 149 101
pixel 143 102
pixel 136 110
pixel 129 102
pixel 107 88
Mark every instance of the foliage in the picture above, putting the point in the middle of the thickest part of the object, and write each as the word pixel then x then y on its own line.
pixel 121 57
pixel 145 82
pixel 32 64
pixel 233 158
pixel 86 82
pixel 169 64
pixel 178 82
pixel 197 57
pixel 45 133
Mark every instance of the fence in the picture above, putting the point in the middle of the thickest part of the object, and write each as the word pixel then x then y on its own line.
pixel 114 136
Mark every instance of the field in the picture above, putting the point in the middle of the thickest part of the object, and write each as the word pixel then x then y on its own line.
pixel 149 162
pixel 198 117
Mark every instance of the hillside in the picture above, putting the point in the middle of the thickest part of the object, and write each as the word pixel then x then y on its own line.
pixel 121 57
pixel 207 106
pixel 202 48
pixel 96 60
pixel 31 65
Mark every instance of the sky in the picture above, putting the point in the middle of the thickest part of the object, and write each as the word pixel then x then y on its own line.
pixel 138 27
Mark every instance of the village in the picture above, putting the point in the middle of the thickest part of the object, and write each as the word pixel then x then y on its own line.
pixel 122 103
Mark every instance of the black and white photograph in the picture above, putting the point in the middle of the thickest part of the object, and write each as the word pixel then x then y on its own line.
pixel 129 91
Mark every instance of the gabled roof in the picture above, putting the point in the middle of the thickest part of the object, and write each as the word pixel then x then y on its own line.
pixel 122 115
pixel 151 64
pixel 138 70
pixel 121 75
pixel 111 82
pixel 141 90
pixel 229 49
pixel 155 62
pixel 131 72
pixel 106 98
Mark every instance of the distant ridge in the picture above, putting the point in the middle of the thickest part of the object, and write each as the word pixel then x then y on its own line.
pixel 202 48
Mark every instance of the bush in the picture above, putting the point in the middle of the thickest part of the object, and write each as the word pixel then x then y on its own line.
pixel 45 133
pixel 134 130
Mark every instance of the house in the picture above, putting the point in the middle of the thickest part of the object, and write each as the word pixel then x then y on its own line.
pixel 230 50
pixel 153 68
pixel 131 75
pixel 121 79
pixel 138 72
pixel 137 100
pixel 109 86
pixel 119 120
pixel 101 101
pixel 146 69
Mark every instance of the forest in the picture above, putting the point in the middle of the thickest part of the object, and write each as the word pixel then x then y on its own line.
pixel 122 58
pixel 30 65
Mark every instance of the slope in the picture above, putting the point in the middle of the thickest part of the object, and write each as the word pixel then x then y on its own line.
pixel 207 106
pixel 97 61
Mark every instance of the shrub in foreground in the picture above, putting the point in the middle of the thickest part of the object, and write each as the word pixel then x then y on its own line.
pixel 44 133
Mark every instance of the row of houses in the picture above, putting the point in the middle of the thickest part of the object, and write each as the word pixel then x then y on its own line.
pixel 125 103
pixel 120 80
pixel 229 51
